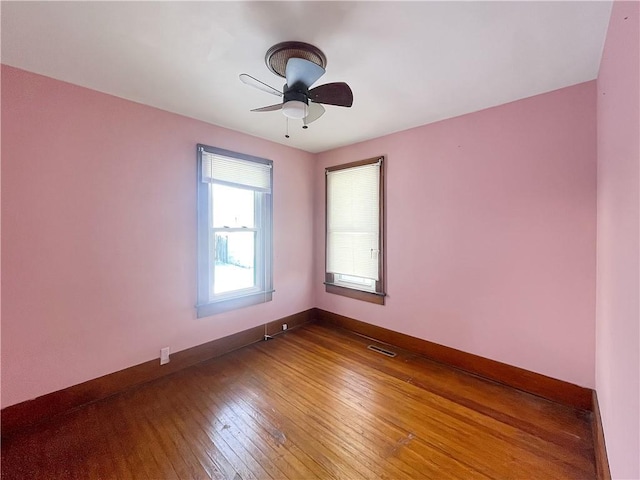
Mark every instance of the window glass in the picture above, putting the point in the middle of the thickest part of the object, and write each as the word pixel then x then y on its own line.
pixel 232 207
pixel 234 261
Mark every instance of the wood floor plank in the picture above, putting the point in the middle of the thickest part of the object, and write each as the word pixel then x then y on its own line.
pixel 299 464
pixel 248 442
pixel 483 396
pixel 293 441
pixel 381 446
pixel 212 460
pixel 336 429
pixel 284 404
pixel 117 455
pixel 500 437
pixel 573 432
pixel 460 470
pixel 300 429
pixel 312 403
pixel 155 464
pixel 448 382
pixel 237 445
pixel 302 413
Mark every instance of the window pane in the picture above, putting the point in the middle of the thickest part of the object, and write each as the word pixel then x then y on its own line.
pixel 361 282
pixel 234 256
pixel 353 254
pixel 232 207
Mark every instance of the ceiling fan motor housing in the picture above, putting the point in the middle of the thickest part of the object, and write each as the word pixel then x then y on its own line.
pixel 297 92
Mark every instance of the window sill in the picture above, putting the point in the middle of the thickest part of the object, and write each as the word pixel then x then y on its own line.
pixel 208 309
pixel 371 297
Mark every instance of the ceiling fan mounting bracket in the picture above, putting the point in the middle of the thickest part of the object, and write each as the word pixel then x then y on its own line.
pixel 278 55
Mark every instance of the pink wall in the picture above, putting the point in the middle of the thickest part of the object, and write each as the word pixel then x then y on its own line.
pixel 618 310
pixel 99 234
pixel 490 233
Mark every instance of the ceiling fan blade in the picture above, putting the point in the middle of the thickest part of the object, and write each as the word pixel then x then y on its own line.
pixel 315 112
pixel 254 82
pixel 270 108
pixel 301 71
pixel 338 93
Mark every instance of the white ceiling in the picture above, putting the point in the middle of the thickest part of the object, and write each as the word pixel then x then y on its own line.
pixel 408 63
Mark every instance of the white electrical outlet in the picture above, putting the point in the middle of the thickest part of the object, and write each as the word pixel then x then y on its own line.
pixel 164 355
pixel 284 326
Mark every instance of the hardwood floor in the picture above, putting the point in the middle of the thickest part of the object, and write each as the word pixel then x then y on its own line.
pixel 312 403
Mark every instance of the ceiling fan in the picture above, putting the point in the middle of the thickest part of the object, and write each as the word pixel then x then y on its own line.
pixel 302 65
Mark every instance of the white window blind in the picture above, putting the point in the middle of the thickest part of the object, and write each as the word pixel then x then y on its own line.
pixel 236 172
pixel 353 213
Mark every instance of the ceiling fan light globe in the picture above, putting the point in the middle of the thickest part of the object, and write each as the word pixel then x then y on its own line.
pixel 295 109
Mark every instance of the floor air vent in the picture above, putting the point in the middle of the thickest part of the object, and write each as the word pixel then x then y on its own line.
pixel 381 350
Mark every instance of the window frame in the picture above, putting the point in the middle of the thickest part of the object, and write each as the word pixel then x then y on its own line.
pixel 208 304
pixel 334 285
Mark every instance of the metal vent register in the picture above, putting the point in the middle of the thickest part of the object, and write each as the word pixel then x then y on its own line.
pixel 381 350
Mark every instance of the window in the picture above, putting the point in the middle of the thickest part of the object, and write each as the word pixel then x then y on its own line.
pixel 234 230
pixel 354 230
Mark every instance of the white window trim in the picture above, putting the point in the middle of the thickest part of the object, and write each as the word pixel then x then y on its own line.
pixel 206 304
